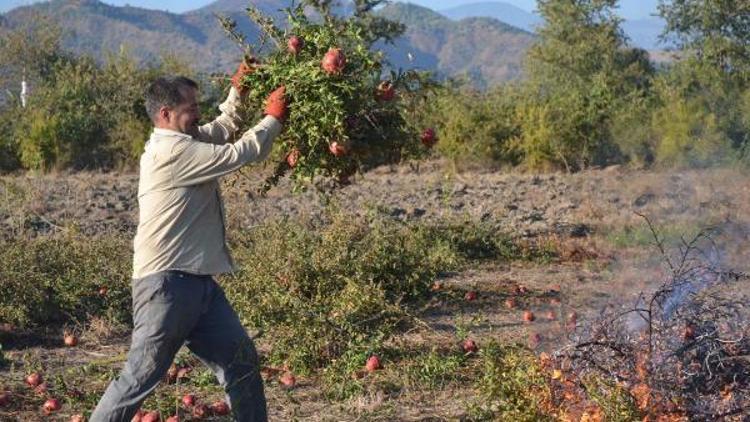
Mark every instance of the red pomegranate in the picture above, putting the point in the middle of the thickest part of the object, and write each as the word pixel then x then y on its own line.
pixel 339 149
pixel 334 61
pixel 429 138
pixel 293 157
pixel 294 44
pixel 386 91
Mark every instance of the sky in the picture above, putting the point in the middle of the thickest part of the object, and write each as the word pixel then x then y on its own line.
pixel 630 9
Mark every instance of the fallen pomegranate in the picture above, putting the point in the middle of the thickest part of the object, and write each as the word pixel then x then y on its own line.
pixel 510 303
pixel 220 408
pixel 294 44
pixel 338 149
pixel 334 61
pixel 70 340
pixel 151 417
pixel 288 380
pixel 470 296
pixel 103 291
pixel 77 418
pixel 51 405
pixel 428 138
pixel 173 418
pixel 292 158
pixel 138 417
pixel 34 379
pixel 470 346
pixel 188 400
pixel 528 316
pixel 373 363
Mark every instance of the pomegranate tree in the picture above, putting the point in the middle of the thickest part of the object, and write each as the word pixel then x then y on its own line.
pixel 347 110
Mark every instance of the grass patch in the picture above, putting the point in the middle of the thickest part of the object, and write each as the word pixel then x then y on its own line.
pixel 641 236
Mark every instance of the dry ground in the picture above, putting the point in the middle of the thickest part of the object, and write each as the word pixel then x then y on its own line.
pixel 607 257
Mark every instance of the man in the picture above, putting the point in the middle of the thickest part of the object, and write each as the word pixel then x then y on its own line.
pixel 180 244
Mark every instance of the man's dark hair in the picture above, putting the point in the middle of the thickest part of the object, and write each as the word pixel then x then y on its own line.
pixel 167 91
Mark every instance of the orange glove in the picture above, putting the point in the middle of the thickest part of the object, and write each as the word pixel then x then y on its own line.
pixel 276 104
pixel 245 68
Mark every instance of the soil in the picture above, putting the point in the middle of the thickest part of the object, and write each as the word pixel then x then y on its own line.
pixel 596 219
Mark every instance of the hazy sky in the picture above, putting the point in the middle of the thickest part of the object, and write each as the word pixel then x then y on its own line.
pixel 630 8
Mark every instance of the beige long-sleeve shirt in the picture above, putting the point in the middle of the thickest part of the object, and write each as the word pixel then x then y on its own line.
pixel 181 214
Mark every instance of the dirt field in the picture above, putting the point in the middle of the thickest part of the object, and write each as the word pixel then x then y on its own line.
pixel 608 257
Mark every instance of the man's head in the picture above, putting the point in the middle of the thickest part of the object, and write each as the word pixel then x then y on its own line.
pixel 172 103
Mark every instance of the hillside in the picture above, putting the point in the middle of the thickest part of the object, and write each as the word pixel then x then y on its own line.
pixel 485 48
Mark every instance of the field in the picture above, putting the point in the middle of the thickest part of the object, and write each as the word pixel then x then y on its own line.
pixel 401 253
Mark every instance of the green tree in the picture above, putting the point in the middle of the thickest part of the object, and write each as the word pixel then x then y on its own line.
pixel 717 31
pixel 580 73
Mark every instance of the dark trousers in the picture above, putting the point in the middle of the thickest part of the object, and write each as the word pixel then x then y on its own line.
pixel 173 308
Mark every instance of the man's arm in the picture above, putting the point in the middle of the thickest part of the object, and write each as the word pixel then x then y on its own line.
pixel 199 162
pixel 222 129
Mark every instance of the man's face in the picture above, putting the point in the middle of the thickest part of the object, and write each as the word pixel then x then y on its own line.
pixel 184 117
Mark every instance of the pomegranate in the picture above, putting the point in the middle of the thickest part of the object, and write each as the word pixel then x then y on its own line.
pixel 338 149
pixel 51 405
pixel 293 157
pixel 386 91
pixel 470 346
pixel 528 316
pixel 173 418
pixel 373 363
pixel 334 61
pixel 188 400
pixel 470 296
pixel 77 418
pixel 151 417
pixel 510 303
pixel 428 138
pixel 288 380
pixel 34 379
pixel 103 291
pixel 294 44
pixel 220 408
pixel 70 340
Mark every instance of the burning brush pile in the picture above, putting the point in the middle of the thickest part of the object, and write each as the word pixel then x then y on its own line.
pixel 681 354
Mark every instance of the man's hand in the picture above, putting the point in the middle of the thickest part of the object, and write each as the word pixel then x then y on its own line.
pixel 276 104
pixel 245 68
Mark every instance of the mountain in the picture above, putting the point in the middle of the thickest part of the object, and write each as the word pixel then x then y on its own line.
pixel 486 49
pixel 503 12
pixel 642 32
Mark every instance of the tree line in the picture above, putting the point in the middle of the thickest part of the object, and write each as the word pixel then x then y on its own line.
pixel 587 97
